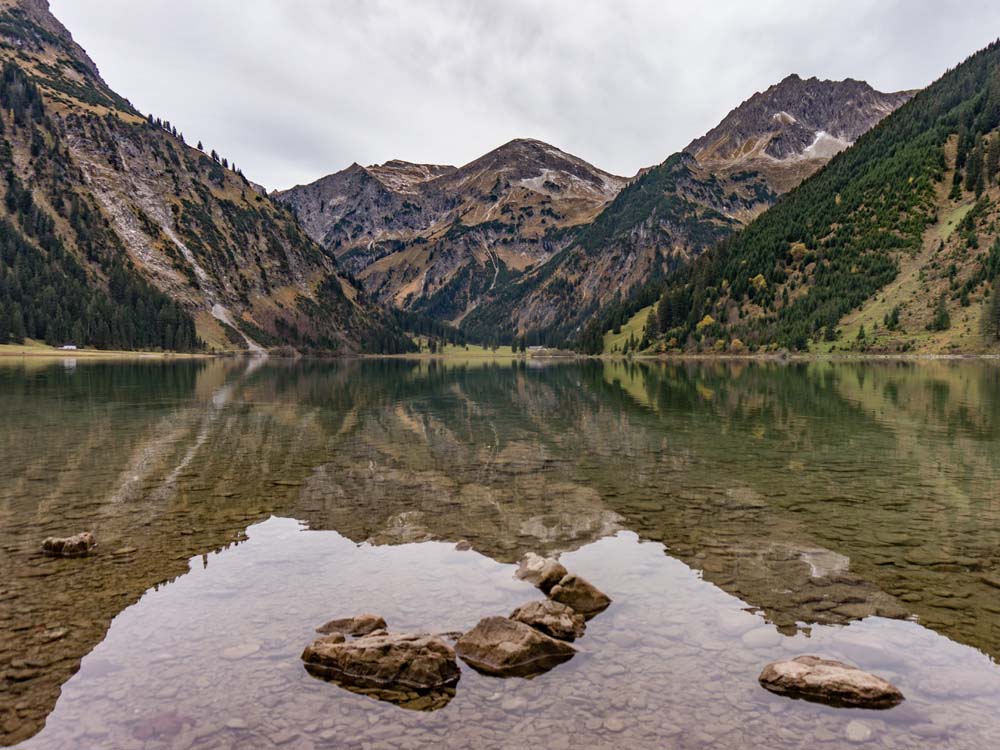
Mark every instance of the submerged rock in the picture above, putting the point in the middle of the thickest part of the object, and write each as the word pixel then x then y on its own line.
pixel 356 626
pixel 552 618
pixel 581 595
pixel 507 648
pixel 396 667
pixel 78 545
pixel 830 682
pixel 543 572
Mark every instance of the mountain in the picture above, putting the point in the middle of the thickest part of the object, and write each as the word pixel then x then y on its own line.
pixel 894 246
pixel 116 233
pixel 787 132
pixel 673 212
pixel 434 239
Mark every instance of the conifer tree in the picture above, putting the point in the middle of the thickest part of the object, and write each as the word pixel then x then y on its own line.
pixel 941 320
pixel 992 325
pixel 992 165
pixel 974 169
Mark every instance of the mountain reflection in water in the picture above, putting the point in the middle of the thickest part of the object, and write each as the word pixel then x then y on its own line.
pixel 815 494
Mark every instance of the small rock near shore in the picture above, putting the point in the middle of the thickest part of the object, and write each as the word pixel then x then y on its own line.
pixel 543 572
pixel 831 682
pixel 580 595
pixel 354 626
pixel 78 545
pixel 552 618
pixel 507 648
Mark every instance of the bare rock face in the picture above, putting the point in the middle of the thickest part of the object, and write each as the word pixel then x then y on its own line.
pixel 552 618
pixel 356 626
pixel 78 545
pixel 580 595
pixel 391 666
pixel 543 572
pixel 831 682
pixel 506 648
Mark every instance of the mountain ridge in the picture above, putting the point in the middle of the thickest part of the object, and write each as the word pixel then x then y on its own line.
pixel 183 221
pixel 434 240
pixel 671 213
pixel 893 247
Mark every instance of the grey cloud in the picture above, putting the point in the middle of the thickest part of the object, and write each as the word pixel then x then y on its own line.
pixel 294 89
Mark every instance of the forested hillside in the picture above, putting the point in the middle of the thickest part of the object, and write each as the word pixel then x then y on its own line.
pixel 793 276
pixel 45 292
pixel 671 213
pixel 118 233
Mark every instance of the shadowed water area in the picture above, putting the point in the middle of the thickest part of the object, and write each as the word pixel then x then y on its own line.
pixel 735 513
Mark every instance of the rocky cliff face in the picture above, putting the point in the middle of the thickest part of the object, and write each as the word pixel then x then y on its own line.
pixel 436 238
pixel 671 213
pixel 793 128
pixel 182 220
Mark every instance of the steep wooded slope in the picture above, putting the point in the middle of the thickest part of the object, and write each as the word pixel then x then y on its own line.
pixel 916 194
pixel 125 236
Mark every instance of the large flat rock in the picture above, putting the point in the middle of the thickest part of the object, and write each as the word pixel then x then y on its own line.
pixel 830 682
pixel 388 661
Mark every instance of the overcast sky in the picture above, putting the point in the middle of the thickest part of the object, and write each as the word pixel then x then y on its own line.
pixel 295 89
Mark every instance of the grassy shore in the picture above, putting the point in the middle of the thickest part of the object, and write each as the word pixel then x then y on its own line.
pixel 36 349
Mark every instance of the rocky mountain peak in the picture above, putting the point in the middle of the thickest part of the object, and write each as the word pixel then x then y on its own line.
pixel 541 167
pixel 404 176
pixel 797 119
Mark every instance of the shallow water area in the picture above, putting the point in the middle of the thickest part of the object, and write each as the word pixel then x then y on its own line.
pixel 735 515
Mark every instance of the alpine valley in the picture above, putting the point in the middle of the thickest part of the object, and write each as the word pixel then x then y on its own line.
pixel 529 240
pixel 816 216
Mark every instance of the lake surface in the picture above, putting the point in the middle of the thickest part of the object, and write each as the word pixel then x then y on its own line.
pixel 736 514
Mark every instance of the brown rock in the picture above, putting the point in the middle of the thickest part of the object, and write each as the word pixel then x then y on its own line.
pixel 356 626
pixel 581 595
pixel 543 572
pixel 507 648
pixel 552 618
pixel 831 682
pixel 395 661
pixel 78 545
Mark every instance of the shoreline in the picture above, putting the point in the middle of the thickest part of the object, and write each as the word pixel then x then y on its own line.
pixel 34 352
pixel 801 357
pixel 37 351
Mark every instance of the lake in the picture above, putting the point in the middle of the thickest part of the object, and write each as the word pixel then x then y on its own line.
pixel 736 513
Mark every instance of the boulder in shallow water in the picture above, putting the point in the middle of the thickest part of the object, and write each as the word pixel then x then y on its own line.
pixel 78 545
pixel 543 572
pixel 356 626
pixel 397 663
pixel 831 682
pixel 552 618
pixel 507 648
pixel 581 595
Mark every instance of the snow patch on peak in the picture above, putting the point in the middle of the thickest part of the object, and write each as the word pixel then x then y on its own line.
pixel 825 146
pixel 556 182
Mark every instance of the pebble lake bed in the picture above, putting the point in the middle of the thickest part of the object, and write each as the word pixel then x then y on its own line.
pixel 735 515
